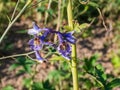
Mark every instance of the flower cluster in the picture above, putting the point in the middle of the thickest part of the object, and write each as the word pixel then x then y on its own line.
pixel 64 41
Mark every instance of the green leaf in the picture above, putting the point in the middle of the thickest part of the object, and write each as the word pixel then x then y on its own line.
pixel 83 26
pixel 41 9
pixel 56 58
pixel 50 11
pixel 27 82
pixel 90 63
pixel 8 87
pixel 47 85
pixel 9 47
pixel 65 65
pixel 37 86
pixel 21 31
pixel 100 75
pixel 21 72
pixel 80 27
pixel 42 86
pixel 116 61
pixel 14 66
pixel 27 68
pixel 54 75
pixel 67 28
pixel 113 83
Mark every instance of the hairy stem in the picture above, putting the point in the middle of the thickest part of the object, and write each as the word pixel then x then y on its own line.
pixel 74 54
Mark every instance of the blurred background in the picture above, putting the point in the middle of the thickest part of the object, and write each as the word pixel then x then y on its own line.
pixel 98 41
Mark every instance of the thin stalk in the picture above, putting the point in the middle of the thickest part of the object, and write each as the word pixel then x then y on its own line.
pixel 33 76
pixel 17 55
pixel 12 22
pixel 46 13
pixel 13 14
pixel 58 21
pixel 74 54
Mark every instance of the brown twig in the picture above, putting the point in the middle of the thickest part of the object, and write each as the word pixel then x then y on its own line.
pixel 59 21
pixel 103 22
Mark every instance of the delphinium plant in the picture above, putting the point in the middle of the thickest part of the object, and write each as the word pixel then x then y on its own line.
pixel 64 47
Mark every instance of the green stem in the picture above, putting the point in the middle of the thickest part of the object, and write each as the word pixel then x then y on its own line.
pixel 33 75
pixel 46 13
pixel 74 54
pixel 13 14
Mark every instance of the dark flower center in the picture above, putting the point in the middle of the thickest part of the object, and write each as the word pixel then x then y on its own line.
pixel 36 41
pixel 63 46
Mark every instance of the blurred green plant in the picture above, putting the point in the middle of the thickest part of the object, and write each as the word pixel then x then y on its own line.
pixel 97 72
pixel 23 62
pixel 8 87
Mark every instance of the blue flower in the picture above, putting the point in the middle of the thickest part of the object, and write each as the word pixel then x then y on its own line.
pixel 36 30
pixel 36 43
pixel 38 56
pixel 69 37
pixel 64 48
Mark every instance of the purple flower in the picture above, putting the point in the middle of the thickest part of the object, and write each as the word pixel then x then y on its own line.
pixel 36 43
pixel 38 56
pixel 69 37
pixel 64 48
pixel 36 30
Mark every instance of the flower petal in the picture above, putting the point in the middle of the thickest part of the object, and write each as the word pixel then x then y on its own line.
pixel 71 40
pixel 35 26
pixel 69 37
pixel 33 32
pixel 38 56
pixel 60 37
pixel 36 43
pixel 31 42
pixel 65 50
